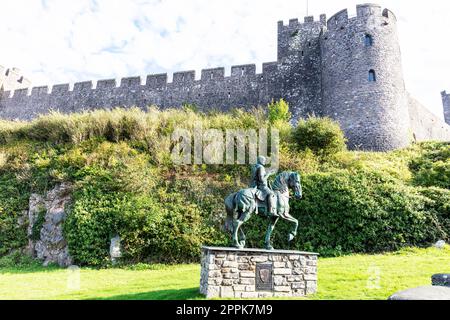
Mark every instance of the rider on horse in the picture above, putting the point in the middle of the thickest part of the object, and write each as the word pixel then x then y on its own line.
pixel 259 181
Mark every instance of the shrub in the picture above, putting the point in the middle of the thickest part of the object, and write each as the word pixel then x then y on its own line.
pixel 169 231
pixel 14 196
pixel 363 212
pixel 92 222
pixel 323 136
pixel 17 259
pixel 278 111
pixel 9 129
pixel 157 231
pixel 440 205
pixel 432 167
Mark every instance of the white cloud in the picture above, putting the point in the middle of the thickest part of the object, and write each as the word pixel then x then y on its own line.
pixel 57 41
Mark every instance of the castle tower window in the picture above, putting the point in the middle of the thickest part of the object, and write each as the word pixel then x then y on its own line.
pixel 372 76
pixel 368 40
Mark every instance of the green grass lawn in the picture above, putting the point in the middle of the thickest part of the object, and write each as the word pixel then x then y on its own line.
pixel 349 277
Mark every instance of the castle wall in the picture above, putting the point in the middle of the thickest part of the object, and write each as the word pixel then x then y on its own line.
pixel 300 64
pixel 373 115
pixel 425 125
pixel 243 88
pixel 11 79
pixel 446 105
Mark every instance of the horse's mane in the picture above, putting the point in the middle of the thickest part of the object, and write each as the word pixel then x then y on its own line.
pixel 281 181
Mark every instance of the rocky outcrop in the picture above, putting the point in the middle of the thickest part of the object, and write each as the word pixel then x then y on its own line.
pixel 423 293
pixel 46 215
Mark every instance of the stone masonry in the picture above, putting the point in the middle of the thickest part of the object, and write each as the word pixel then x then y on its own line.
pixel 446 104
pixel 255 273
pixel 346 68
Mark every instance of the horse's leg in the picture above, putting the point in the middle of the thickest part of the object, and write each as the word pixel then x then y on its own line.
pixel 236 227
pixel 242 237
pixel 245 217
pixel 272 223
pixel 293 232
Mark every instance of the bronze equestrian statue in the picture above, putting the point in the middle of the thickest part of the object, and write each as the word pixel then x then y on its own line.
pixel 261 198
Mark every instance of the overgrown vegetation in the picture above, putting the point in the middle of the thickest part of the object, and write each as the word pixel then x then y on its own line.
pixel 125 183
pixel 322 136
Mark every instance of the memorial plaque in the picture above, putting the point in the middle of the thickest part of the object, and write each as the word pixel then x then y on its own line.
pixel 264 277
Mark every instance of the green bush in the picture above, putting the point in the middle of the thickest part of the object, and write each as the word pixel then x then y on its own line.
pixel 363 212
pixel 14 195
pixel 440 204
pixel 323 136
pixel 278 111
pixel 346 212
pixel 432 167
pixel 17 259
pixel 167 230
pixel 92 222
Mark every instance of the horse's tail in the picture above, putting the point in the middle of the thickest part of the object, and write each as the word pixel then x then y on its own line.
pixel 242 201
pixel 231 209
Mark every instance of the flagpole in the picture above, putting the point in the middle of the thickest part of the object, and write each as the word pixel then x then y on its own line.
pixel 307 7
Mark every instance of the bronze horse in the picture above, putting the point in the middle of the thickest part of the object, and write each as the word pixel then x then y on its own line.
pixel 240 206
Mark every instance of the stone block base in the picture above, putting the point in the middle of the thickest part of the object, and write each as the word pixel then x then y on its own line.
pixel 255 273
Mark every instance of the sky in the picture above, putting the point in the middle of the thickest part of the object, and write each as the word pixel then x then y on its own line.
pixel 61 41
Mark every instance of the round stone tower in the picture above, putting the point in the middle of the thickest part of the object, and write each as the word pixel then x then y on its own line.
pixel 362 79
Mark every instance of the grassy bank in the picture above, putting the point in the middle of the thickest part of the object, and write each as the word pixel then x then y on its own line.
pixel 125 183
pixel 349 277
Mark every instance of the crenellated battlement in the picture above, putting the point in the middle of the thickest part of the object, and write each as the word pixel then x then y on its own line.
pixel 295 24
pixel 180 79
pixel 368 9
pixel 337 21
pixel 364 12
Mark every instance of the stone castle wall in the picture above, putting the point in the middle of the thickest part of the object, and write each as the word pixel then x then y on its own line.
pixel 425 125
pixel 322 69
pixel 253 273
pixel 371 113
pixel 300 65
pixel 12 79
pixel 243 88
pixel 446 105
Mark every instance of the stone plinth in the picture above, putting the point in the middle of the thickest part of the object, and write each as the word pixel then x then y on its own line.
pixel 255 273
